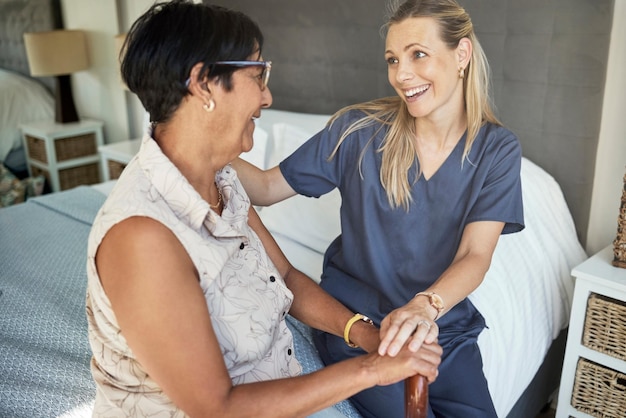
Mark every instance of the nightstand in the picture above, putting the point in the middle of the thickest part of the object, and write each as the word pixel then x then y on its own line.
pixel 114 157
pixel 593 381
pixel 66 154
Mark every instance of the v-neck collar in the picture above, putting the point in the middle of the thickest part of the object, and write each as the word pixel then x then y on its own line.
pixel 457 151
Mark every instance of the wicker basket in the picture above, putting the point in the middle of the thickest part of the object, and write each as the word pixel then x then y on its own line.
pixel 75 146
pixel 599 391
pixel 65 148
pixel 605 326
pixel 36 149
pixel 73 176
pixel 619 244
pixel 115 169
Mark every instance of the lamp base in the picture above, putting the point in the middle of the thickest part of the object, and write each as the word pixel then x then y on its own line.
pixel 65 111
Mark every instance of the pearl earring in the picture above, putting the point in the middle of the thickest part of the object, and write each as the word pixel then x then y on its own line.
pixel 209 107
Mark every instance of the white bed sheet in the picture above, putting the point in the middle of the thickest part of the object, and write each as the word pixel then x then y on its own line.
pixel 527 292
pixel 22 100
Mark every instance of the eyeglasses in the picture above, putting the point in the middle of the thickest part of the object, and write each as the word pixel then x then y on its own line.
pixel 265 75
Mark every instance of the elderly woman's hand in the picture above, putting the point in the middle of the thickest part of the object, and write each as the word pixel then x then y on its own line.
pixel 406 363
pixel 410 323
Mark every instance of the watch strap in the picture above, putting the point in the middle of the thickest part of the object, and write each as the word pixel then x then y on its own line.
pixel 435 301
pixel 351 321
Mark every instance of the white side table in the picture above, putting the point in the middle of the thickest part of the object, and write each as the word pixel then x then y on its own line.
pixel 65 153
pixel 594 368
pixel 114 157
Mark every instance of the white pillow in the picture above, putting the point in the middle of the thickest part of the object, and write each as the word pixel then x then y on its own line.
pixel 303 258
pixel 311 222
pixel 307 125
pixel 286 139
pixel 307 122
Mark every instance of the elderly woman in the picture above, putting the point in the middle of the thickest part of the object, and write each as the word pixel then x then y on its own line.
pixel 188 292
pixel 429 180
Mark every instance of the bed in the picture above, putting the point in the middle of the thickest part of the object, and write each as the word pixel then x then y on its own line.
pixel 44 354
pixel 22 98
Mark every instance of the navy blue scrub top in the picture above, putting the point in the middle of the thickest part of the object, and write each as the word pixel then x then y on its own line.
pixel 385 255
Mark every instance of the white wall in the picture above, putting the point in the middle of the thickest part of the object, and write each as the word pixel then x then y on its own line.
pixel 97 91
pixel 128 11
pixel 611 156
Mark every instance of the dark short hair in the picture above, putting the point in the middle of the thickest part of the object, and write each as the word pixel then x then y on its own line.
pixel 170 38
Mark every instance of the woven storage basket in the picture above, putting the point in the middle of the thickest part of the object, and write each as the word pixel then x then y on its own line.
pixel 115 169
pixel 75 146
pixel 36 148
pixel 605 326
pixel 65 148
pixel 73 176
pixel 619 244
pixel 599 391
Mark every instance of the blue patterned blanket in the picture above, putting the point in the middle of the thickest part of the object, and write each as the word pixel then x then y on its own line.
pixel 44 352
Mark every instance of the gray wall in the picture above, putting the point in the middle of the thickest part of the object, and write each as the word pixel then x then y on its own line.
pixel 548 59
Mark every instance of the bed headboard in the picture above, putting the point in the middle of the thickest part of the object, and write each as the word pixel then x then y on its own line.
pixel 17 17
pixel 548 61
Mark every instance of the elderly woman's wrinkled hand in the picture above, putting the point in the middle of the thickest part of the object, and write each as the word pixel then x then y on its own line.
pixel 407 363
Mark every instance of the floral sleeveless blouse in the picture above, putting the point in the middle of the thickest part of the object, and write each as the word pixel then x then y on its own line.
pixel 247 298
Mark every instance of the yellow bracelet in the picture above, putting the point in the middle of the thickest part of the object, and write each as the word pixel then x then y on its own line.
pixel 346 330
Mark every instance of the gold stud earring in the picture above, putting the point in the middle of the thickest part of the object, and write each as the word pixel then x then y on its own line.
pixel 209 107
pixel 461 72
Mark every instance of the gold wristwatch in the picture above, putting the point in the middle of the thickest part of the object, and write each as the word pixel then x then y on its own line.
pixel 435 301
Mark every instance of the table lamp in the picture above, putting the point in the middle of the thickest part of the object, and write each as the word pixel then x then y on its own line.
pixel 58 53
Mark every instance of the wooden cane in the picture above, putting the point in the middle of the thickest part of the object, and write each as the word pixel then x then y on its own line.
pixel 416 397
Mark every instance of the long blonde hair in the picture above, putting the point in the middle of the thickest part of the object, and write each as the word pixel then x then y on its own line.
pixel 398 148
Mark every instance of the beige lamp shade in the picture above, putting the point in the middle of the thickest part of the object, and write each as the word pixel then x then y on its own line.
pixel 56 52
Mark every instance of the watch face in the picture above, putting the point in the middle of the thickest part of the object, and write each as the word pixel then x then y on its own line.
pixel 436 301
